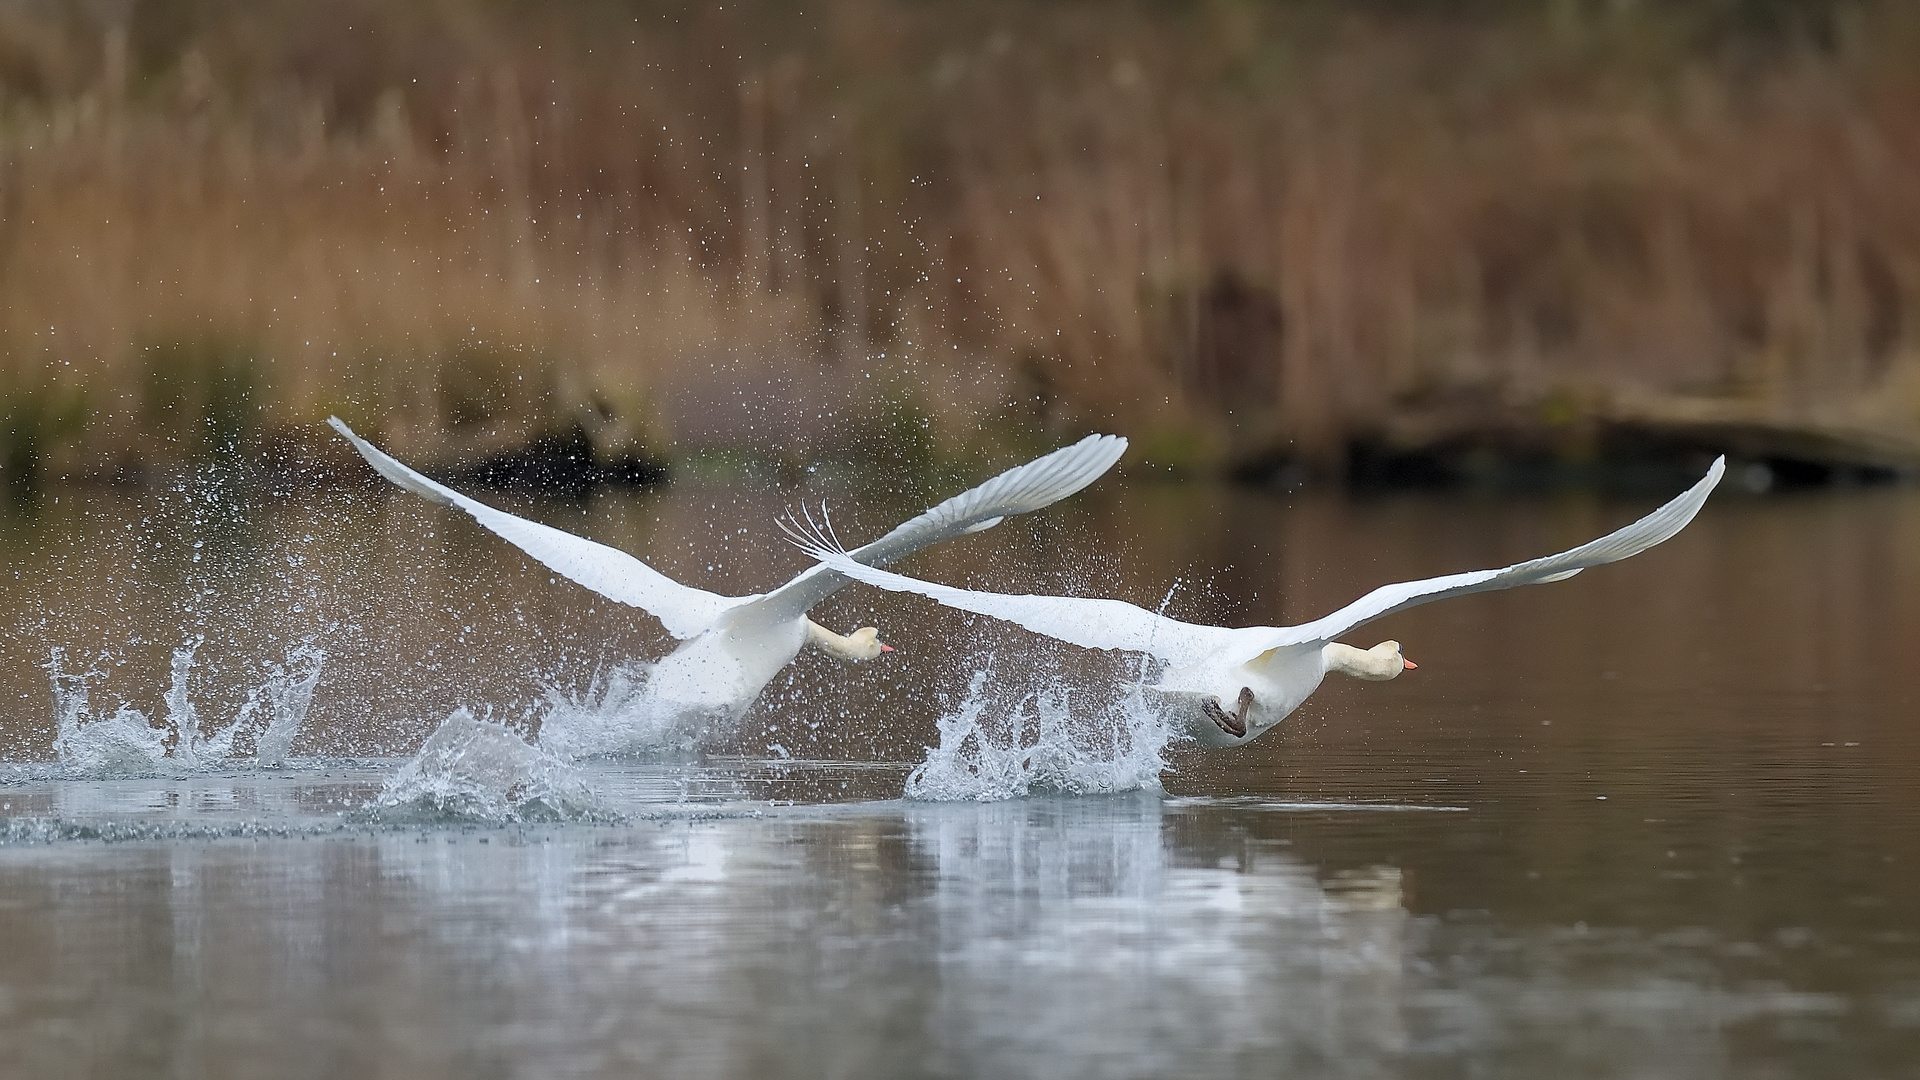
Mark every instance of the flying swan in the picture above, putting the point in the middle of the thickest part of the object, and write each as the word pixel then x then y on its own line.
pixel 1264 671
pixel 734 645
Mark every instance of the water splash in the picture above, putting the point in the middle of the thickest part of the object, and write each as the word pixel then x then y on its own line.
pixel 127 743
pixel 289 694
pixel 994 745
pixel 188 747
pixel 477 770
pixel 122 744
pixel 619 715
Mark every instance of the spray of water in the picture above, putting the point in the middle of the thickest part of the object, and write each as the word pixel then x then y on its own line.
pixel 188 747
pixel 127 743
pixel 121 744
pixel 618 715
pixel 289 694
pixel 474 770
pixel 1006 743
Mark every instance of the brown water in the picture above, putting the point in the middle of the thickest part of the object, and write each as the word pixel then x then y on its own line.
pixel 1659 820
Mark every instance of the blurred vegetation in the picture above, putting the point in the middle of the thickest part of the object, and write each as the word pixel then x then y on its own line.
pixel 203 396
pixel 1242 231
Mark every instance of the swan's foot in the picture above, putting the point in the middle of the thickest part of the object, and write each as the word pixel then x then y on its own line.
pixel 1233 723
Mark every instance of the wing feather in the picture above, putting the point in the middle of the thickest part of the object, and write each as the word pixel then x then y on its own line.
pixel 614 574
pixel 1089 623
pixel 1656 527
pixel 1022 489
pixel 1115 624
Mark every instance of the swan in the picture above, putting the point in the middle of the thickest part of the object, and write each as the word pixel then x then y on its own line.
pixel 1265 672
pixel 732 646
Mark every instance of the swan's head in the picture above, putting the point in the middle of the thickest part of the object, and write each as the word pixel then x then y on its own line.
pixel 1378 664
pixel 865 644
pixel 1405 664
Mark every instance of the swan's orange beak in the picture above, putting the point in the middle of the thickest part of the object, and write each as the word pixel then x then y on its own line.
pixel 1410 664
pixel 885 647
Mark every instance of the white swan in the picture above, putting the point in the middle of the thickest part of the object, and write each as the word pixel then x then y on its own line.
pixel 734 645
pixel 1265 671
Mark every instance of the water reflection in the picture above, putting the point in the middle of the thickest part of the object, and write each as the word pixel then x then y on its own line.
pixel 1112 936
pixel 1070 931
pixel 929 940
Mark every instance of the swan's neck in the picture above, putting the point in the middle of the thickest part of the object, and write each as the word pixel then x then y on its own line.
pixel 862 644
pixel 1378 664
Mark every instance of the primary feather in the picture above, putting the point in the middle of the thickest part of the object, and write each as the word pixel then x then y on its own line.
pixel 687 611
pixel 1039 483
pixel 684 610
pixel 1116 624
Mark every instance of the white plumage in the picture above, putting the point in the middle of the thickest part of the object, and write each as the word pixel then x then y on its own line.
pixel 1219 679
pixel 733 645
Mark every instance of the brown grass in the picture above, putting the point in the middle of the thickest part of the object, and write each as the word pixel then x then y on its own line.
pixel 1225 229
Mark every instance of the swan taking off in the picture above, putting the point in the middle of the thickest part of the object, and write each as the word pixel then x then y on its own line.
pixel 1229 686
pixel 734 645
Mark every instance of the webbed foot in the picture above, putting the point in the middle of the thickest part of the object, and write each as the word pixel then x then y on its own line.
pixel 1233 723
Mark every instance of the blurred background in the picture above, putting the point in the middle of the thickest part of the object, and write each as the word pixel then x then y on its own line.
pixel 872 252
pixel 1382 241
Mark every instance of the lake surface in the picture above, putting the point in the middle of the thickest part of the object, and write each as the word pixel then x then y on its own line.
pixel 1660 820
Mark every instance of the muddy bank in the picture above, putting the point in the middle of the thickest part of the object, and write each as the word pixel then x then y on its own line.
pixel 1631 456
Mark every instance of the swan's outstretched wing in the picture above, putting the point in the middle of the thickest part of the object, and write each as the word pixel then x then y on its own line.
pixel 684 610
pixel 1040 482
pixel 1090 623
pixel 1387 599
pixel 1114 624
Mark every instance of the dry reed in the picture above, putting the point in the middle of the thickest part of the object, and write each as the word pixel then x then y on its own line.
pixel 1230 230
